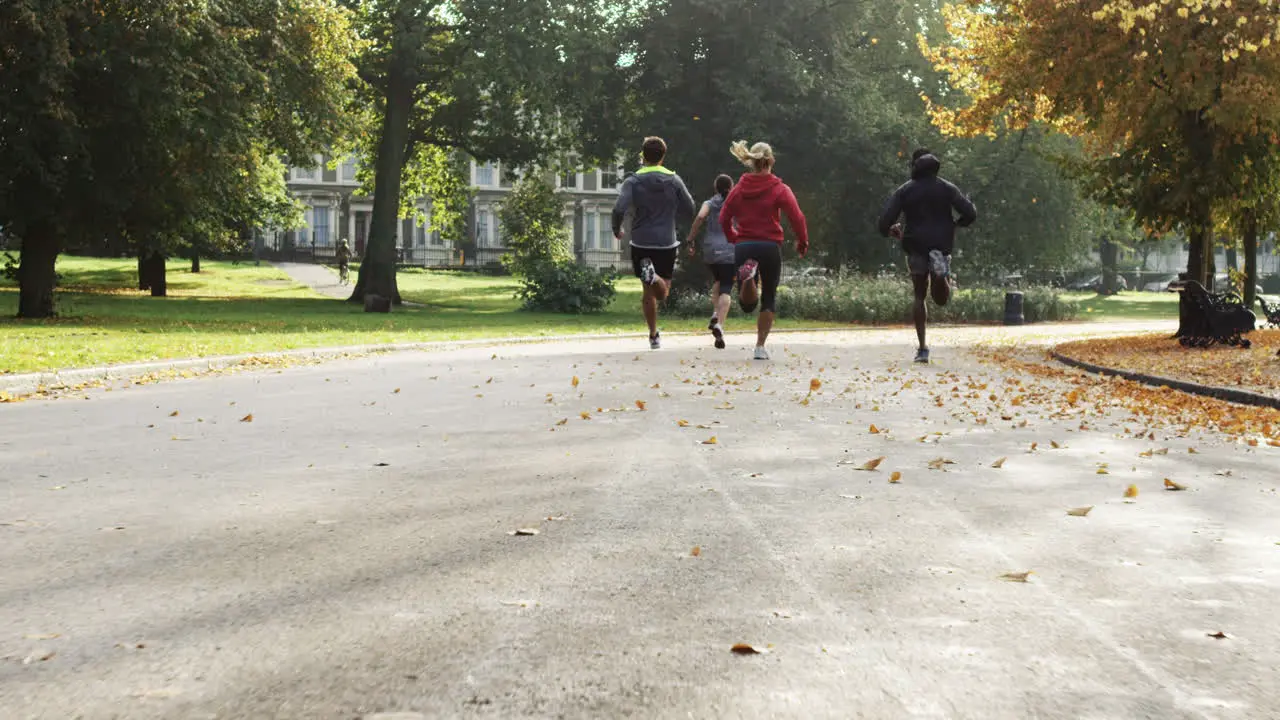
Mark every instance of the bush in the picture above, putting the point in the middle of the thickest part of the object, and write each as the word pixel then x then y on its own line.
pixel 533 226
pixel 887 300
pixel 566 287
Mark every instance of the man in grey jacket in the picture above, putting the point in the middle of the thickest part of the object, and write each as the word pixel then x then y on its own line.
pixel 656 198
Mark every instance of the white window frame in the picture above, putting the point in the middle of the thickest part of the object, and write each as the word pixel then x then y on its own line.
pixel 342 170
pixel 494 169
pixel 617 173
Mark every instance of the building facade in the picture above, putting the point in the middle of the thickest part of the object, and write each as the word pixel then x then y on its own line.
pixel 337 210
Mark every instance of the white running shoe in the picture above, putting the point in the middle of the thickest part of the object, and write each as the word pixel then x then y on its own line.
pixel 761 353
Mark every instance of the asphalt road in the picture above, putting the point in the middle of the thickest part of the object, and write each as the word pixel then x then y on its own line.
pixel 346 553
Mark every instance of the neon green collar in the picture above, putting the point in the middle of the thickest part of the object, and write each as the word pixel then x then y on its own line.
pixel 654 169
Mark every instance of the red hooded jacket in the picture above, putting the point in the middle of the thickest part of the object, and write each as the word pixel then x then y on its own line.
pixel 756 204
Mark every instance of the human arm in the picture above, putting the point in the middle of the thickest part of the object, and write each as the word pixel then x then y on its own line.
pixel 890 214
pixel 791 209
pixel 687 207
pixel 694 231
pixel 727 214
pixel 964 206
pixel 621 206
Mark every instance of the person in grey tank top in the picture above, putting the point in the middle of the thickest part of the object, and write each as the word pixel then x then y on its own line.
pixel 718 254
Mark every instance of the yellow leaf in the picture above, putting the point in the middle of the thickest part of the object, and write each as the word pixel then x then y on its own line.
pixel 640 404
pixel 805 402
pixel 1171 485
pixel 584 415
pixel 696 551
pixel 895 477
pixel 815 385
pixel 713 440
pixel 870 464
pixel 575 381
pixel 874 430
pixel 1080 511
pixel 938 463
pixel 1162 451
pixel 1017 576
pixel 1192 451
pixel 173 414
pixel 682 423
pixel 999 463
pixel 247 418
pixel 1146 454
pixel 1054 444
pixel 396 391
pixel 1103 471
pixel 1131 491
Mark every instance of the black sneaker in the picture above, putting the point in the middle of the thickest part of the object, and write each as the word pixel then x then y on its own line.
pixel 718 331
pixel 655 341
pixel 647 274
pixel 922 356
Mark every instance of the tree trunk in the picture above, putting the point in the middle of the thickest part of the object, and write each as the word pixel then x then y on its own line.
pixel 1232 264
pixel 195 262
pixel 1108 253
pixel 378 266
pixel 143 282
pixel 1250 257
pixel 36 272
pixel 155 273
pixel 1200 259
pixel 1198 137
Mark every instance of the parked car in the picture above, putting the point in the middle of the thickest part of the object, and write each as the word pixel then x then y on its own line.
pixel 1159 285
pixel 1095 284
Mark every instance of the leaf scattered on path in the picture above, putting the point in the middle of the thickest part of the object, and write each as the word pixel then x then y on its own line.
pixel 1171 485
pixel 815 385
pixel 896 477
pixel 173 414
pixel 874 430
pixel 1054 444
pixel 575 381
pixel 713 440
pixel 515 603
pixel 1017 576
pixel 1033 447
pixel 1218 635
pixel 1080 511
pixel 696 551
pixel 999 463
pixel 247 418
pixel 1146 454
pixel 1131 491
pixel 396 391
pixel 682 423
pixel 940 463
pixel 640 404
pixel 45 636
pixel 1102 470
pixel 745 649
pixel 1223 473
pixel 584 415
pixel 524 531
pixel 1192 451
pixel 870 464
pixel 564 421
pixel 382 464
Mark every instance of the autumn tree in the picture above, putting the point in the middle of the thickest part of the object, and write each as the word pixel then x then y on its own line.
pixel 1170 96
pixel 518 82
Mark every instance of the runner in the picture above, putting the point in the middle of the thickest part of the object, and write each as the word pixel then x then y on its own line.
pixel 656 196
pixel 755 204
pixel 717 253
pixel 926 203
pixel 343 255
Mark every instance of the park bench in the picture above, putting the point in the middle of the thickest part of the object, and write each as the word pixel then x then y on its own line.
pixel 1272 312
pixel 1208 318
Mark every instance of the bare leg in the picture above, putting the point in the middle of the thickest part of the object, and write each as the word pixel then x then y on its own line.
pixel 650 306
pixel 920 284
pixel 764 323
pixel 715 299
pixel 749 294
pixel 722 306
pixel 940 287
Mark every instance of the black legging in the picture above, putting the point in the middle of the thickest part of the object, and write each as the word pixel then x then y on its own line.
pixel 768 255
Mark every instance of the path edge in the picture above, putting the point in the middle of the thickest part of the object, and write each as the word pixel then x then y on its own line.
pixel 1233 395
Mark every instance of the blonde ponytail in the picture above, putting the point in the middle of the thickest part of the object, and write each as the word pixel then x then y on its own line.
pixel 758 157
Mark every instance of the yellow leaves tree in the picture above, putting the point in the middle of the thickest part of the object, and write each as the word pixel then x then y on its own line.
pixel 1170 96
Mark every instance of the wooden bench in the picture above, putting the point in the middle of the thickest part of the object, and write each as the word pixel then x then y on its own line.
pixel 1207 318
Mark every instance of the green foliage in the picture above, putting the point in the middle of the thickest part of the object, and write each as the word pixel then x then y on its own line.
pixel 887 300
pixel 532 218
pixel 566 287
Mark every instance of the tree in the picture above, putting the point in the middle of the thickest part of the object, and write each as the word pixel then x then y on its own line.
pixel 520 82
pixel 150 123
pixel 533 223
pixel 1167 94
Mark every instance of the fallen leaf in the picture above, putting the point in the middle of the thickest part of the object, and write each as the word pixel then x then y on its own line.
pixel 1103 471
pixel 895 477
pixel 745 649
pixel 382 464
pixel 711 441
pixel 489 381
pixel 584 415
pixel 1080 511
pixel 565 421
pixel 46 636
pixel 1218 635
pixel 524 531
pixel 1223 473
pixel 640 404
pixel 247 418
pixel 682 423
pixel 815 385
pixel 515 603
pixel 396 391
pixel 1017 576
pixel 870 464
pixel 1131 491
pixel 173 414
pixel 1161 451
pixel 1054 444
pixel 999 463
pixel 938 463
pixel 1192 451
pixel 1034 446
pixel 874 430
pixel 696 551
pixel 1146 454
pixel 575 381
pixel 1171 485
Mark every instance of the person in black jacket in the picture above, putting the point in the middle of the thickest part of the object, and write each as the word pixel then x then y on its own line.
pixel 928 233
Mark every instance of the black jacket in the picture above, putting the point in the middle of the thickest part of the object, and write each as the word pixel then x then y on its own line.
pixel 926 201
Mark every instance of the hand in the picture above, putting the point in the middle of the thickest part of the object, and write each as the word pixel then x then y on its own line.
pixel 617 236
pixel 802 248
pixel 693 251
pixel 895 232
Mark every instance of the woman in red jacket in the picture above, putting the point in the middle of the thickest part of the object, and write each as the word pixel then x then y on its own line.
pixel 756 204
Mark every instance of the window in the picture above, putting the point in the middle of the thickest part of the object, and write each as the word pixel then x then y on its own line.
pixel 320 225
pixel 610 179
pixel 485 174
pixel 307 173
pixel 482 228
pixel 509 177
pixel 349 170
pixel 589 231
pixel 569 181
pixel 606 231
pixel 589 180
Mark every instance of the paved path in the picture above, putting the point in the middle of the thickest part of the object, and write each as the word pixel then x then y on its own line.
pixel 346 554
pixel 320 278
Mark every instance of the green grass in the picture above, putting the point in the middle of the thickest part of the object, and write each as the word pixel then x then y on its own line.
pixel 1127 306
pixel 235 309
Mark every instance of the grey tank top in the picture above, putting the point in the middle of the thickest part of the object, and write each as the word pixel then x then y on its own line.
pixel 716 248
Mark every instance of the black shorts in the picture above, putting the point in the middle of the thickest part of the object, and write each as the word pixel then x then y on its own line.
pixel 918 264
pixel 663 259
pixel 723 274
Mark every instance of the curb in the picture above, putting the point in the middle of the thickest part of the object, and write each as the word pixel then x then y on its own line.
pixel 28 383
pixel 1233 395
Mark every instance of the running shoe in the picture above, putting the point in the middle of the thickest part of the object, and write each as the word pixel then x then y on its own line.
pixel 718 331
pixel 655 342
pixel 922 356
pixel 761 353
pixel 647 274
pixel 747 272
pixel 938 265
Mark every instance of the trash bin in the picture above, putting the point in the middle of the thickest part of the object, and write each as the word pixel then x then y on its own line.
pixel 1013 308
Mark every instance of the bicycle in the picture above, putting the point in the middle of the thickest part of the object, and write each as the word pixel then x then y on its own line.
pixel 344 275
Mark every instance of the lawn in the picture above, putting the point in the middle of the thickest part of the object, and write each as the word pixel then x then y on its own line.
pixel 1127 306
pixel 234 309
